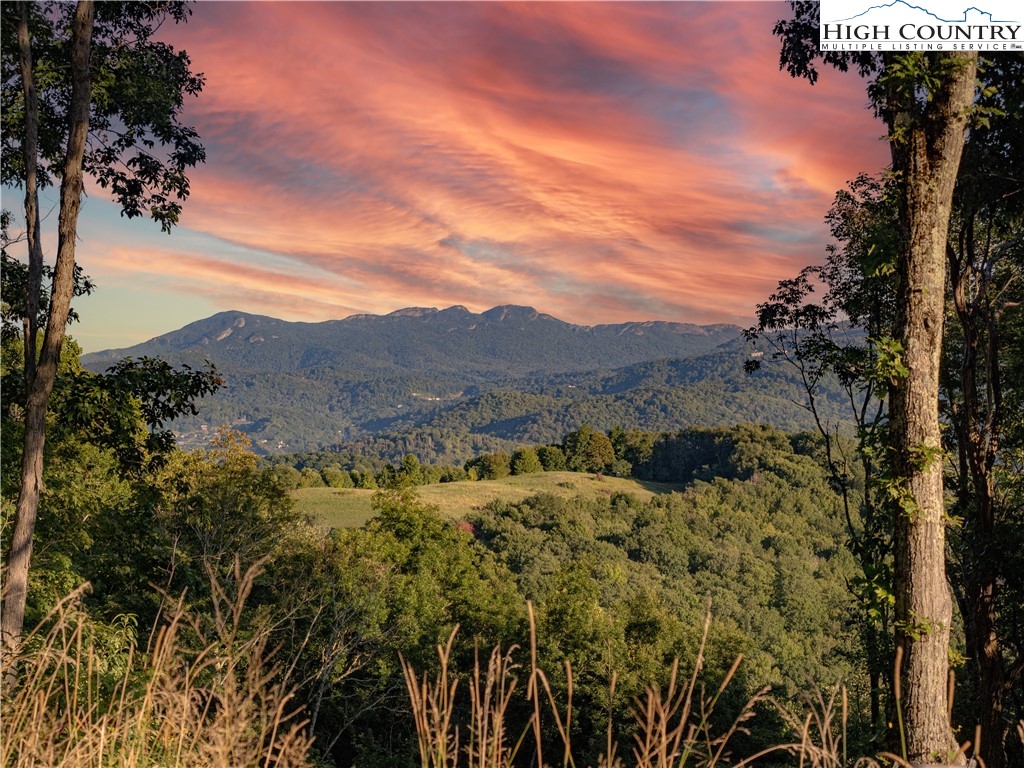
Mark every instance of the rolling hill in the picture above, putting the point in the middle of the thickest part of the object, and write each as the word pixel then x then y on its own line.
pixel 448 384
pixel 352 507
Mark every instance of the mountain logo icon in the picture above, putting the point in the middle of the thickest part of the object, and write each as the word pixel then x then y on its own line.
pixel 967 15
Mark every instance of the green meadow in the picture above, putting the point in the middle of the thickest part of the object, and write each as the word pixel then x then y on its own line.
pixel 352 507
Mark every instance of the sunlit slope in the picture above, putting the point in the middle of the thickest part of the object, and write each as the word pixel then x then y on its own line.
pixel 351 507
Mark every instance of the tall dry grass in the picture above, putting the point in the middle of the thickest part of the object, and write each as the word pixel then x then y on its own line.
pixel 673 726
pixel 199 695
pixel 821 729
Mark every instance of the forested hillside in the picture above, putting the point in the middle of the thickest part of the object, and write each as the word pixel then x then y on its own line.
pixel 663 395
pixel 447 385
pixel 503 341
pixel 618 583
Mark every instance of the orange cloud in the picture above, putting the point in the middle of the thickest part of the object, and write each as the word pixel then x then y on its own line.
pixel 600 161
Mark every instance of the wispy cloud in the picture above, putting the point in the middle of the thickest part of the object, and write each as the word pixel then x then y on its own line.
pixel 599 161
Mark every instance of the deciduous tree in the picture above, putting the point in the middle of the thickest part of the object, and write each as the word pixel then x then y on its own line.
pixel 525 461
pixel 925 100
pixel 928 100
pixel 86 91
pixel 845 338
pixel 588 450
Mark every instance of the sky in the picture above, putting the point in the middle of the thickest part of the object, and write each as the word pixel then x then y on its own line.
pixel 601 162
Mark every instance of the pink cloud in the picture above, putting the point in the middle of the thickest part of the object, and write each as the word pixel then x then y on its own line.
pixel 600 161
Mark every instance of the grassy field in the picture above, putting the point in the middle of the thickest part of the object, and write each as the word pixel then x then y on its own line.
pixel 351 508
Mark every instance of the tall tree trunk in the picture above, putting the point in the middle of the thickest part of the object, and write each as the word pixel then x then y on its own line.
pixel 33 285
pixel 42 380
pixel 927 146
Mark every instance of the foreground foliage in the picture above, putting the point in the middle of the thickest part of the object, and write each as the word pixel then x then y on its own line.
pixel 619 583
pixel 202 692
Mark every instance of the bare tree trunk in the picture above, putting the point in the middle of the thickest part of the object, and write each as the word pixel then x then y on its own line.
pixel 926 153
pixel 45 373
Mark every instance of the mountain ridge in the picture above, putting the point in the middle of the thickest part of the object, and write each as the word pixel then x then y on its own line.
pixel 504 339
pixel 447 384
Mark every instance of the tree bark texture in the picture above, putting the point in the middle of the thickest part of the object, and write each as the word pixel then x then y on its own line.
pixel 40 386
pixel 926 155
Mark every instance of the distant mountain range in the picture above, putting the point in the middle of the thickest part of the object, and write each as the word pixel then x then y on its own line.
pixel 450 383
pixel 505 340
